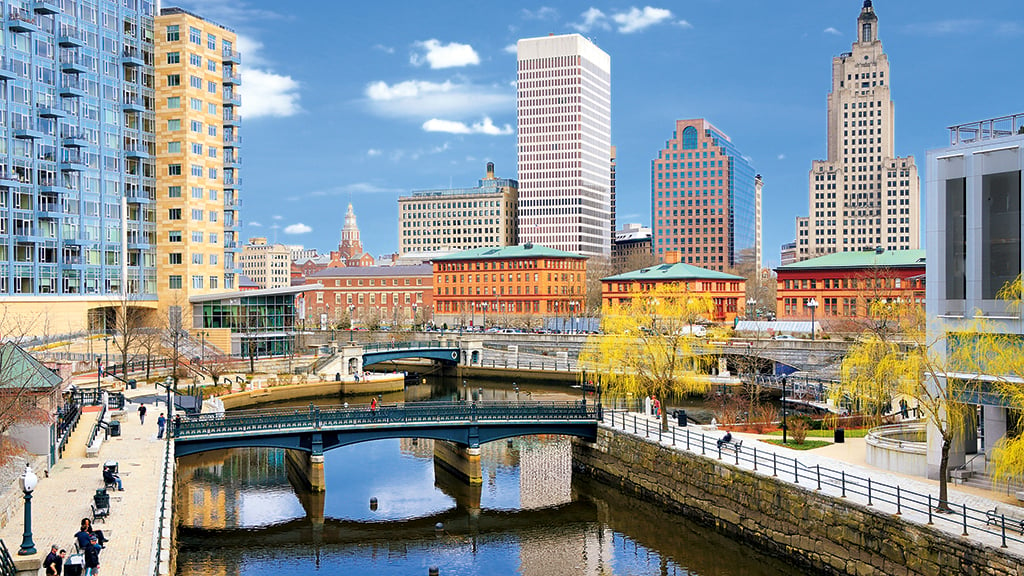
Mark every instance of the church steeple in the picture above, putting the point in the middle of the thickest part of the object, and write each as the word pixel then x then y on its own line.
pixel 867 24
pixel 351 246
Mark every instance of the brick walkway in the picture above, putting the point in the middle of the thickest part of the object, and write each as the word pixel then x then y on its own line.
pixel 61 501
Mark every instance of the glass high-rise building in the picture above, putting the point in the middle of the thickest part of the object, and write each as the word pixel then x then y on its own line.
pixel 703 199
pixel 77 180
pixel 563 93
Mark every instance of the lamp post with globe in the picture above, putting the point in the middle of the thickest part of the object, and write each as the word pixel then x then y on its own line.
pixel 28 482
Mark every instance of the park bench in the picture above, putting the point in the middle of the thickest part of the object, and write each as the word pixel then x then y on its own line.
pixel 733 444
pixel 1013 514
pixel 100 505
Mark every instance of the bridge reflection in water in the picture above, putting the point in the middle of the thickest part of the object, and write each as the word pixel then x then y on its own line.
pixel 528 517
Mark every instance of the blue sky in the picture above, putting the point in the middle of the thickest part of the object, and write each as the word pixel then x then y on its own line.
pixel 363 101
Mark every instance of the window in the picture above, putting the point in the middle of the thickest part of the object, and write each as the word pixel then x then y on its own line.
pixel 1000 225
pixel 174 169
pixel 195 104
pixel 195 82
pixel 213 216
pixel 174 236
pixel 956 239
pixel 173 57
pixel 211 130
pixel 174 258
pixel 172 36
pixel 213 173
pixel 174 80
pixel 195 60
pixel 197 192
pixel 211 87
pixel 211 109
pixel 196 126
pixel 174 214
pixel 174 191
pixel 173 125
pixel 194 35
pixel 211 42
pixel 197 237
pixel 197 258
pixel 174 281
pixel 174 148
pixel 197 281
pixel 213 237
pixel 197 214
pixel 197 148
pixel 689 138
pixel 211 65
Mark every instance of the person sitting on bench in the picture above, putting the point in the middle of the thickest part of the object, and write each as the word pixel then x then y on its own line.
pixel 725 439
pixel 109 477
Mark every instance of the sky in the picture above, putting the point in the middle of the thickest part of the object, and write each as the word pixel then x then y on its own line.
pixel 364 101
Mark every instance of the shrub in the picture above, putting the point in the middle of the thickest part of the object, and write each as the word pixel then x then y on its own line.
pixel 798 429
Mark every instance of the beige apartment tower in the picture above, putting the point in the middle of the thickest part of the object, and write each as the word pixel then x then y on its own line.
pixel 863 196
pixel 452 219
pixel 268 265
pixel 197 161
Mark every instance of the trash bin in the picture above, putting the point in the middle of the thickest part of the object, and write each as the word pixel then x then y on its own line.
pixel 840 436
pixel 101 499
pixel 115 428
pixel 680 416
pixel 74 565
pixel 131 384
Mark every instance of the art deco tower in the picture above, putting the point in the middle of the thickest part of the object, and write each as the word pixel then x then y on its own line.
pixel 863 196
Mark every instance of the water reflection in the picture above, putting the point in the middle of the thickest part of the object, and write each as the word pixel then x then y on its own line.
pixel 240 516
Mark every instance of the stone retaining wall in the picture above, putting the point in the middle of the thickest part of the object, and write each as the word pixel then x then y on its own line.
pixel 823 534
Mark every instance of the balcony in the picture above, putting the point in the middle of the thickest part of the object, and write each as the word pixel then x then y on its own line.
pixel 232 203
pixel 10 176
pixel 230 245
pixel 46 7
pixel 232 79
pixel 232 183
pixel 71 88
pixel 49 111
pixel 232 140
pixel 72 162
pixel 229 56
pixel 138 197
pixel 74 141
pixel 74 66
pixel 133 105
pixel 232 119
pixel 27 133
pixel 21 21
pixel 68 38
pixel 53 186
pixel 233 99
pixel 232 161
pixel 136 152
pixel 5 71
pixel 132 56
pixel 49 212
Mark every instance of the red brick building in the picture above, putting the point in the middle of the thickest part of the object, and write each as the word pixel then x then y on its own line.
pixel 370 296
pixel 845 284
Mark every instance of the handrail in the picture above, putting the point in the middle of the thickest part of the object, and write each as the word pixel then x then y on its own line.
pixel 334 418
pixel 960 515
pixel 969 461
pixel 66 425
pixel 162 506
pixel 7 567
pixel 97 426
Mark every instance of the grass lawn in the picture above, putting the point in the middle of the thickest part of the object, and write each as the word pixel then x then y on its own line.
pixel 807 445
pixel 850 433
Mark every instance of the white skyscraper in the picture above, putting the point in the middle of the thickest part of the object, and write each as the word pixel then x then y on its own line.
pixel 564 127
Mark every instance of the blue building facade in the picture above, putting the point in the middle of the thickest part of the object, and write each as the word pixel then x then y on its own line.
pixel 77 178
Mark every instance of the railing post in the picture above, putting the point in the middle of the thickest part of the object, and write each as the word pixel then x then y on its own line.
pixel 796 471
pixel 844 483
pixel 634 423
pixel 702 445
pixel 755 458
pixel 899 501
pixel 818 469
pixel 929 509
pixel 687 440
pixel 737 453
pixel 869 490
pixel 965 519
pixel 719 451
pixel 1003 522
pixel 775 465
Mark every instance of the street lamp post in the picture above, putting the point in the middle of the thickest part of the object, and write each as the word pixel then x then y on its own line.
pixel 28 482
pixel 99 376
pixel 572 317
pixel 751 303
pixel 106 350
pixel 784 427
pixel 351 321
pixel 812 304
pixel 202 347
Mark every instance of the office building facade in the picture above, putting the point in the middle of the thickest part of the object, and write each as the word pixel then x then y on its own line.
pixel 268 265
pixel 197 157
pixel 863 195
pixel 703 198
pixel 77 223
pixel 563 94
pixel 451 219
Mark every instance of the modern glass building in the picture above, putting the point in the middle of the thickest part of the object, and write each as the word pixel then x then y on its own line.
pixel 77 181
pixel 703 198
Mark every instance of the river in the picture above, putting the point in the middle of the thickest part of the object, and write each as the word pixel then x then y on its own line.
pixel 389 509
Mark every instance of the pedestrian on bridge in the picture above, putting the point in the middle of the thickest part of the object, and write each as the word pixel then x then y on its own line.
pixel 142 413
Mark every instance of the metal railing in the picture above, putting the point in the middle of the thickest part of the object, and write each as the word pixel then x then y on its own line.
pixel 315 417
pixel 959 516
pixel 986 129
pixel 99 425
pixel 6 562
pixel 412 345
pixel 164 507
pixel 67 421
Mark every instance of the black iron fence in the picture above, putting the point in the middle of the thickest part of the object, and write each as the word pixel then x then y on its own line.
pixel 958 516
pixel 6 562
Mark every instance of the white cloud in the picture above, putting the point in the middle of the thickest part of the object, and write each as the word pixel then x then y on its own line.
pixel 781 157
pixel 628 22
pixel 254 224
pixel 485 126
pixel 592 18
pixel 384 49
pixel 278 217
pixel 542 13
pixel 832 31
pixel 250 49
pixel 373 152
pixel 511 49
pixel 269 94
pixel 637 20
pixel 423 99
pixel 451 55
pixel 297 228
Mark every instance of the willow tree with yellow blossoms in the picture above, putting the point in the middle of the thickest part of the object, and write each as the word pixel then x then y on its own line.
pixel 903 362
pixel 648 346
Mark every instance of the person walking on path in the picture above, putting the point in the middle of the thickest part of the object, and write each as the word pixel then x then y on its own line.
pixel 161 422
pixel 142 413
pixel 92 557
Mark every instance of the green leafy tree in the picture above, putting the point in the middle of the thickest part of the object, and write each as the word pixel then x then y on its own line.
pixel 649 347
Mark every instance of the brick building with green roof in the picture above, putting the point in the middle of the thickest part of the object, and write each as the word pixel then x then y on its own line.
pixel 843 285
pixel 727 291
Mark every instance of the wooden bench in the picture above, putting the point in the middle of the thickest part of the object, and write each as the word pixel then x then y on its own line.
pixel 99 513
pixel 734 445
pixel 1013 514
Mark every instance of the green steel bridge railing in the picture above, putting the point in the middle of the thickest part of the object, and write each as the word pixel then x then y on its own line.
pixel 385 346
pixel 418 413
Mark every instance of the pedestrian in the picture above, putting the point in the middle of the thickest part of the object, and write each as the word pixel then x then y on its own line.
pixel 87 532
pixel 142 413
pixel 657 408
pixel 92 557
pixel 177 424
pixel 373 404
pixel 161 422
pixel 54 561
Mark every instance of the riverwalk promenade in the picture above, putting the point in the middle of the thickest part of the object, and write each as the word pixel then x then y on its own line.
pixel 63 498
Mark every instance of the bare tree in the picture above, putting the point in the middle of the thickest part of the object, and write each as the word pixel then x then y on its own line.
pixel 29 392
pixel 130 322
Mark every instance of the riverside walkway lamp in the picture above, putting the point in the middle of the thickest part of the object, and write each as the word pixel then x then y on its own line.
pixel 28 482
pixel 812 304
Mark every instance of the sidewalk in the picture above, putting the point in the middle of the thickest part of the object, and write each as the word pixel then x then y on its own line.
pixel 850 457
pixel 61 500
